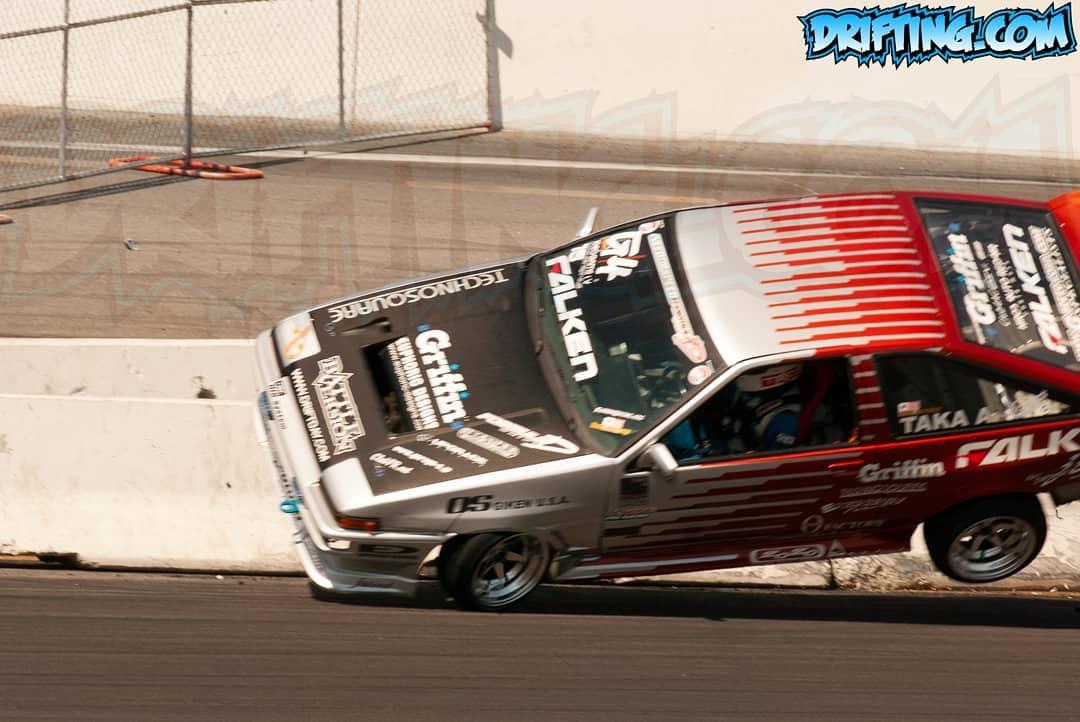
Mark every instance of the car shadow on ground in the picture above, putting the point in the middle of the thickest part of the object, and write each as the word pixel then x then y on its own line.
pixel 1020 609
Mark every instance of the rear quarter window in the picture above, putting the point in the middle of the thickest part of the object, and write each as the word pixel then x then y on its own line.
pixel 928 394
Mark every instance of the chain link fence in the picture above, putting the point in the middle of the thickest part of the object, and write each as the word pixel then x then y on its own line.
pixel 87 81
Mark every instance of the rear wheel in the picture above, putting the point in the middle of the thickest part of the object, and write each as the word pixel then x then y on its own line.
pixel 493 572
pixel 987 539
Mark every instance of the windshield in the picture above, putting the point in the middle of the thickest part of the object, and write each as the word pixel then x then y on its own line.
pixel 616 318
pixel 1010 277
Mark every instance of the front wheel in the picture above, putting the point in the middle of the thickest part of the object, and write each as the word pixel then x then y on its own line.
pixel 987 539
pixel 493 572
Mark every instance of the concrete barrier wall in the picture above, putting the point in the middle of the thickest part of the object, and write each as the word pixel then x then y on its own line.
pixel 646 69
pixel 138 483
pixel 107 452
pixel 129 368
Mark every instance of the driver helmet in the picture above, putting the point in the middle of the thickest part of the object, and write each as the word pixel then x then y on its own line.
pixel 768 393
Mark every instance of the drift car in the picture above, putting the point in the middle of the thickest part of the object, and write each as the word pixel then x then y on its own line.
pixel 744 384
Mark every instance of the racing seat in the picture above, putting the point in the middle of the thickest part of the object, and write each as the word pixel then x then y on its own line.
pixel 818 383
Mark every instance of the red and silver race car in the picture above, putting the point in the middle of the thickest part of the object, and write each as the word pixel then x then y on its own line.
pixel 734 385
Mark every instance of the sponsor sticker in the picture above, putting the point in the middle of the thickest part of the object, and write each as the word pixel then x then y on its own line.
pixel 487 442
pixel 618 413
pixel 390 462
pixel 700 374
pixel 487 502
pixel 448 387
pixel 990 452
pixel 1059 280
pixel 423 292
pixel 1027 270
pixel 916 487
pixel 1068 471
pixel 572 325
pixel 800 553
pixel 976 299
pixel 816 524
pixel 528 438
pixel 684 338
pixel 851 507
pixel 619 255
pixel 307 410
pixel 421 459
pixel 907 408
pixel 274 393
pixel 295 338
pixel 611 425
pixel 458 451
pixel 339 408
pixel 432 388
pixel 900 470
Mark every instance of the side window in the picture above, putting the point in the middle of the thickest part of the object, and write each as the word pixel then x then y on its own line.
pixel 770 409
pixel 927 394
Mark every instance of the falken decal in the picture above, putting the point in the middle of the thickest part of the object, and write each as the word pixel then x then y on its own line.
pixel 571 321
pixel 1027 270
pixel 991 452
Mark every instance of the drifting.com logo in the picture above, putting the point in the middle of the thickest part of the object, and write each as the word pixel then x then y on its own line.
pixel 910 34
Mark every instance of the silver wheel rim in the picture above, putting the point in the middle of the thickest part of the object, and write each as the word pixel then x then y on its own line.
pixel 992 548
pixel 508 570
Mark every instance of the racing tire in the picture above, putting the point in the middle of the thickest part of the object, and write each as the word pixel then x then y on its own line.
pixel 494 572
pixel 986 540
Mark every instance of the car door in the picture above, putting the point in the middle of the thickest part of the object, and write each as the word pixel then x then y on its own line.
pixel 759 459
pixel 961 430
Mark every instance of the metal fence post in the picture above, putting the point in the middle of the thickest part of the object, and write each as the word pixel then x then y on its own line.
pixel 341 68
pixel 64 92
pixel 188 123
pixel 494 92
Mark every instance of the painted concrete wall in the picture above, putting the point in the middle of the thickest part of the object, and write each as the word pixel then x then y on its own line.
pixel 107 452
pixel 727 70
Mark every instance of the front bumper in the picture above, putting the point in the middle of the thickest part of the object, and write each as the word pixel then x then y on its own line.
pixel 336 559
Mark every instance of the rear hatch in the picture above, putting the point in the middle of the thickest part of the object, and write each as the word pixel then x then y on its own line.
pixel 1010 275
pixel 424 382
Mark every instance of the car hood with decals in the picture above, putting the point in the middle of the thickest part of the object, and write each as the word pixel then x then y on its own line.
pixel 424 383
pixel 720 386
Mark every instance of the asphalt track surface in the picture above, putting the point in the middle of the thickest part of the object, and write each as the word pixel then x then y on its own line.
pixel 108 646
pixel 225 260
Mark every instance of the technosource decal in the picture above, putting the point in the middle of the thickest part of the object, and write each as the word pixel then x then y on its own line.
pixel 911 34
